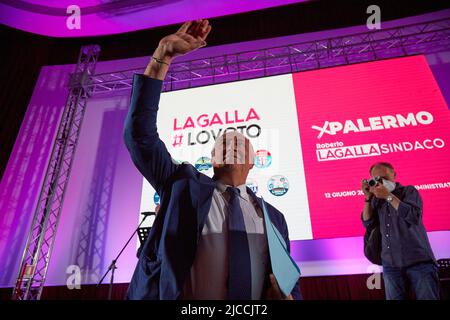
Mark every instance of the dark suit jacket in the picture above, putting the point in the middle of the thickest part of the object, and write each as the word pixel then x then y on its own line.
pixel 185 194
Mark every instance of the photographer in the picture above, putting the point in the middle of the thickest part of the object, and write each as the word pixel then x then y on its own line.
pixel 406 253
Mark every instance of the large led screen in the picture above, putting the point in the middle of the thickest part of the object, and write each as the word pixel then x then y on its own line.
pixel 316 134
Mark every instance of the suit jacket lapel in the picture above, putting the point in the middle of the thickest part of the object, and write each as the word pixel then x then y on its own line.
pixel 259 201
pixel 204 199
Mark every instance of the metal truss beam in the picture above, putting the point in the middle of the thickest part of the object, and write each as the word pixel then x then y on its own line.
pixel 420 38
pixel 41 237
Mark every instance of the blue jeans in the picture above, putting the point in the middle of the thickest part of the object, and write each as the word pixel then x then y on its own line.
pixel 423 278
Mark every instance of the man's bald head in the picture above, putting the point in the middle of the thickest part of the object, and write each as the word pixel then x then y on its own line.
pixel 232 148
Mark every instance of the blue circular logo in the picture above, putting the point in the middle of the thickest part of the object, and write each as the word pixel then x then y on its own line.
pixel 203 164
pixel 156 198
pixel 252 185
pixel 263 159
pixel 278 185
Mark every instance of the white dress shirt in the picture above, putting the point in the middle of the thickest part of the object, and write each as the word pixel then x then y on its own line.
pixel 209 272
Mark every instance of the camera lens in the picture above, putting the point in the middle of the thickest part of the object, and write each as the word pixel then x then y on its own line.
pixel 372 183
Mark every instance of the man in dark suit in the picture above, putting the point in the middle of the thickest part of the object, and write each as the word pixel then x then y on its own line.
pixel 208 240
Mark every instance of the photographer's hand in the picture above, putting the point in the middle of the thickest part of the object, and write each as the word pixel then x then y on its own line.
pixel 366 189
pixel 367 212
pixel 380 191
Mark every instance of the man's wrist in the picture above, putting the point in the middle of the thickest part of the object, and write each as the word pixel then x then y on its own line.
pixel 162 54
pixel 159 64
pixel 160 61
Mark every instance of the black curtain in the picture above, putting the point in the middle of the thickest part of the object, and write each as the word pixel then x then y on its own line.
pixel 343 287
pixel 348 287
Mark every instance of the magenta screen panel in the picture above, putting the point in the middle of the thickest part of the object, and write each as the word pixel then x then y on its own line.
pixel 350 117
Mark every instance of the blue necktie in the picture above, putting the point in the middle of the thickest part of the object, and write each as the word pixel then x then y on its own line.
pixel 239 271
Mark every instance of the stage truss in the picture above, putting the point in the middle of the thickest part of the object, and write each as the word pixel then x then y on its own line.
pixel 406 40
pixel 41 236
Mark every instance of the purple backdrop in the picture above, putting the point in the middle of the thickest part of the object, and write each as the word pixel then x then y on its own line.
pixel 103 195
pixel 99 17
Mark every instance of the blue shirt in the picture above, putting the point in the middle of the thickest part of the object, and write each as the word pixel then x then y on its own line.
pixel 404 239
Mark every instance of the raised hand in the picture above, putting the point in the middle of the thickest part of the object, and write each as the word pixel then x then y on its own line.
pixel 189 37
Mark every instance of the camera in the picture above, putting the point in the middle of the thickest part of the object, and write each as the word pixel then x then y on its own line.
pixel 374 181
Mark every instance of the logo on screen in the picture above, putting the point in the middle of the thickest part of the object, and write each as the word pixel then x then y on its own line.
pixel 337 150
pixel 263 159
pixel 278 185
pixel 156 198
pixel 203 164
pixel 252 185
pixel 374 123
pixel 201 129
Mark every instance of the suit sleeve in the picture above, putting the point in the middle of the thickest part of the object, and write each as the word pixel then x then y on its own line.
pixel 148 152
pixel 296 293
